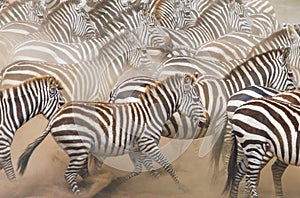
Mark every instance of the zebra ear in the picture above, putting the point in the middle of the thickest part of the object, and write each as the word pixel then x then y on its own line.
pixel 196 74
pixel 54 84
pixel 188 80
pixel 292 33
pixel 81 4
pixel 286 52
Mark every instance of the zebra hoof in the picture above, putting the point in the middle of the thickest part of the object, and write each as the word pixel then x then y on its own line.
pixel 183 188
pixel 76 192
pixel 155 174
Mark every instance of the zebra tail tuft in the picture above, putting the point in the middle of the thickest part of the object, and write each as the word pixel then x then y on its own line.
pixel 24 158
pixel 232 166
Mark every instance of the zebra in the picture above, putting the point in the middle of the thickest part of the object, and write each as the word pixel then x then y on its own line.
pixel 205 68
pixel 87 80
pixel 111 134
pixel 244 95
pixel 107 10
pixel 264 24
pixel 259 6
pixel 74 26
pixel 194 36
pixel 264 128
pixel 150 37
pixel 216 92
pixel 218 19
pixel 29 11
pixel 174 14
pixel 239 45
pixel 19 104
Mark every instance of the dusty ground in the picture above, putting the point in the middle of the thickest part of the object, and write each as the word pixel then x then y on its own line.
pixel 44 176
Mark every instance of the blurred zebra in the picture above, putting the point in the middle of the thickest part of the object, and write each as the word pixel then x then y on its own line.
pixel 264 128
pixel 106 10
pixel 150 37
pixel 111 133
pixel 19 104
pixel 219 18
pixel 205 68
pixel 74 26
pixel 263 24
pixel 24 11
pixel 259 6
pixel 87 80
pixel 174 14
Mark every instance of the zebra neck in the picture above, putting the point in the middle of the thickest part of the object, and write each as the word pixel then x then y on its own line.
pixel 158 107
pixel 21 104
pixel 49 31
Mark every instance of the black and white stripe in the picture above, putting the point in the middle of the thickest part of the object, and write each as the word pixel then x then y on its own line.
pixel 264 128
pixel 267 69
pixel 87 80
pixel 103 129
pixel 68 22
pixel 20 103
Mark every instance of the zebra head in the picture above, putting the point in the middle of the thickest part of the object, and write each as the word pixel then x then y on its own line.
pixel 191 104
pixel 53 99
pixel 37 10
pixel 284 80
pixel 239 19
pixel 81 23
pixel 154 37
pixel 184 14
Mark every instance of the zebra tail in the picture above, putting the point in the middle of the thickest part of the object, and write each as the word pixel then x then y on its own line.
pixel 232 166
pixel 24 158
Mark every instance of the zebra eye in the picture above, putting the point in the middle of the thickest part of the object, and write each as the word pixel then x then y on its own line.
pixel 53 92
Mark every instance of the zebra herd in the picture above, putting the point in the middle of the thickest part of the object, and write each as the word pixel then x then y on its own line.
pixel 114 76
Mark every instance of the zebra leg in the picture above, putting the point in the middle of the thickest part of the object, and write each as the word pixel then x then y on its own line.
pixel 241 171
pixel 255 164
pixel 154 152
pixel 278 169
pixel 264 162
pixel 76 164
pixel 149 166
pixel 137 160
pixel 84 171
pixel 147 162
pixel 95 163
pixel 5 161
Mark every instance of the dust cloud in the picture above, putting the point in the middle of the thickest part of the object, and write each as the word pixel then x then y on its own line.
pixel 44 177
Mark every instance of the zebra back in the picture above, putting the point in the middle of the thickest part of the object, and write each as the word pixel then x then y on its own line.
pixel 246 94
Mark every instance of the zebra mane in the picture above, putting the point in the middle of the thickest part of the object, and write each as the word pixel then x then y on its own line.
pixel 269 55
pixel 4 93
pixel 274 40
pixel 150 89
